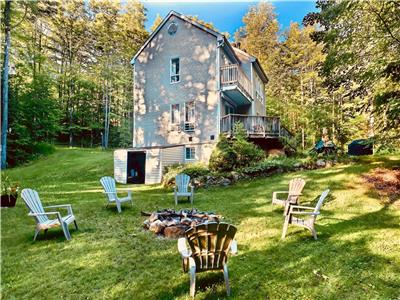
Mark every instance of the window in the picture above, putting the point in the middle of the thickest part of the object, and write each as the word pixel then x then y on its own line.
pixel 190 153
pixel 175 114
pixel 189 116
pixel 174 70
pixel 259 90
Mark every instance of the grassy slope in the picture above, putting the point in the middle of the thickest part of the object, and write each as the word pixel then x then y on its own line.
pixel 112 257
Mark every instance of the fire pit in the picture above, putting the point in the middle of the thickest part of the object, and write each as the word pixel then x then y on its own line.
pixel 173 224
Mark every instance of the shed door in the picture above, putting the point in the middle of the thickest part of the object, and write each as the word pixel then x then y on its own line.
pixel 136 167
pixel 120 165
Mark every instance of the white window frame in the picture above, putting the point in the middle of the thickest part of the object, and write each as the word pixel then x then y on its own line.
pixel 193 123
pixel 171 112
pixel 170 70
pixel 259 90
pixel 193 152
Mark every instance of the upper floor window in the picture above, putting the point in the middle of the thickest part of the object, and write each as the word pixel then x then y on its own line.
pixel 189 116
pixel 174 73
pixel 259 90
pixel 175 114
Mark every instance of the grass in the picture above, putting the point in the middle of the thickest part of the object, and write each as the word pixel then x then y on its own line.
pixel 357 255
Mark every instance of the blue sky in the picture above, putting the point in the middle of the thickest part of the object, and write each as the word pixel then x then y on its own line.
pixel 227 16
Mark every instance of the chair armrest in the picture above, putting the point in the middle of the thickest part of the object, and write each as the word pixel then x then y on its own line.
pixel 304 213
pixel 295 194
pixel 182 248
pixel 281 192
pixel 301 207
pixel 47 213
pixel 67 206
pixel 234 249
pixel 128 191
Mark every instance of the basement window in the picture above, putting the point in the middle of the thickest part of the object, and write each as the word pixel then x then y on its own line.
pixel 190 153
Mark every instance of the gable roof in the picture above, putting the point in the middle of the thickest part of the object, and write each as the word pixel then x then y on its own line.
pixel 254 60
pixel 220 38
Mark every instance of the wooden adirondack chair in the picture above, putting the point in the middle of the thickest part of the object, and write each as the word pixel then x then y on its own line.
pixel 181 188
pixel 209 248
pixel 110 191
pixel 32 201
pixel 310 213
pixel 296 186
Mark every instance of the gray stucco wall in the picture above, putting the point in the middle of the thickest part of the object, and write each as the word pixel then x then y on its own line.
pixel 154 93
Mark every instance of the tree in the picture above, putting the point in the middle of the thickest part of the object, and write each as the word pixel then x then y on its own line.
pixel 156 23
pixel 362 43
pixel 259 37
pixel 4 83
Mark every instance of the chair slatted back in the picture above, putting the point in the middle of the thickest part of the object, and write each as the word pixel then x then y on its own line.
pixel 32 201
pixel 108 184
pixel 210 244
pixel 182 182
pixel 321 200
pixel 296 186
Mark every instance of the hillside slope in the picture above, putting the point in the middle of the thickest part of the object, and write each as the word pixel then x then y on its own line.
pixel 111 257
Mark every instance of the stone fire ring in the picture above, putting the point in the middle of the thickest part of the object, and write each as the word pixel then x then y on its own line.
pixel 173 224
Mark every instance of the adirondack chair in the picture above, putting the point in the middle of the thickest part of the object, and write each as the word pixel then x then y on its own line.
pixel 181 188
pixel 209 248
pixel 110 191
pixel 310 214
pixel 32 201
pixel 296 186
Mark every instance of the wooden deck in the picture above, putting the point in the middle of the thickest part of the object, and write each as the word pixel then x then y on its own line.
pixel 255 126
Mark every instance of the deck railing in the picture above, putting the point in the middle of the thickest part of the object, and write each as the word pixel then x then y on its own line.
pixel 255 126
pixel 233 75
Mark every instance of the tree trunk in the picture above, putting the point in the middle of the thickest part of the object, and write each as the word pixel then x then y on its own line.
pixel 4 84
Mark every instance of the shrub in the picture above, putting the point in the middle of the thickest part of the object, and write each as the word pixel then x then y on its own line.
pixel 193 170
pixel 236 152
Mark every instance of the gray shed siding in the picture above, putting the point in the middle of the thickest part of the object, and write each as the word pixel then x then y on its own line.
pixel 154 93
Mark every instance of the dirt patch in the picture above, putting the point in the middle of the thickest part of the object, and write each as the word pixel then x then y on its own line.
pixel 386 182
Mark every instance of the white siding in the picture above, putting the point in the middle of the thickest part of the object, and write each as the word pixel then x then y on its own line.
pixel 153 166
pixel 120 165
pixel 173 155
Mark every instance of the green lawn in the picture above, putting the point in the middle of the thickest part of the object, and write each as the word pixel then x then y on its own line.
pixel 357 255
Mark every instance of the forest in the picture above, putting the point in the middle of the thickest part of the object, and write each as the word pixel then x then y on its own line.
pixel 67 77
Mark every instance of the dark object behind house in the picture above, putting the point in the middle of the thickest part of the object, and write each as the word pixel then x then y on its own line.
pixel 360 147
pixel 324 147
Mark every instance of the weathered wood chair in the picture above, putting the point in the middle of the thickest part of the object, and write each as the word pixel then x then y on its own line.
pixel 110 191
pixel 210 244
pixel 32 201
pixel 181 188
pixel 296 186
pixel 310 214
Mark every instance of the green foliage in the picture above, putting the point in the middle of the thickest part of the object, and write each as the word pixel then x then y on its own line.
pixel 8 187
pixel 232 153
pixel 193 170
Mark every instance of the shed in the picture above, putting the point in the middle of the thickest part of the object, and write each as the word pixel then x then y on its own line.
pixel 137 166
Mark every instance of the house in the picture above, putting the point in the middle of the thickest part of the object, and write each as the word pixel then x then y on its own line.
pixel 190 84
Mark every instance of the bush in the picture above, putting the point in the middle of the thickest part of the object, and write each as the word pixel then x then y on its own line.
pixel 44 149
pixel 193 170
pixel 234 153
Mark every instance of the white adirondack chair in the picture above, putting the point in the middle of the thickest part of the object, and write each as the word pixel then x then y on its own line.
pixel 110 191
pixel 296 186
pixel 310 214
pixel 181 188
pixel 210 245
pixel 32 201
